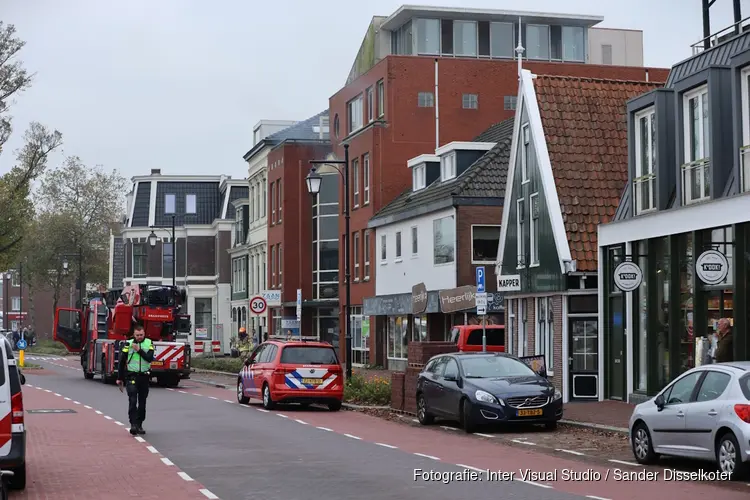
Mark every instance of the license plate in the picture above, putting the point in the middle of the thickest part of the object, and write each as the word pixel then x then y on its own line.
pixel 311 381
pixel 157 363
pixel 529 413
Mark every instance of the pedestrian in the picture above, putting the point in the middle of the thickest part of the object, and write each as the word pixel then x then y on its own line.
pixel 724 349
pixel 244 344
pixel 134 371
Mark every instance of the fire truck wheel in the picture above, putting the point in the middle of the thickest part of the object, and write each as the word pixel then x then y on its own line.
pixel 268 402
pixel 18 481
pixel 87 375
pixel 172 380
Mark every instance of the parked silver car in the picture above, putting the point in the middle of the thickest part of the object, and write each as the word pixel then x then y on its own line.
pixel 704 414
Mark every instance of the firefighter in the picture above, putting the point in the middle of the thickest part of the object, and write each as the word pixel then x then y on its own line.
pixel 134 371
pixel 245 344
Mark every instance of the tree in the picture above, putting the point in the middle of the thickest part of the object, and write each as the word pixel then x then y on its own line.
pixel 89 199
pixel 13 77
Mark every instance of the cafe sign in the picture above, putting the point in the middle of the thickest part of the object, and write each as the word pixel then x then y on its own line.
pixel 458 299
pixel 628 276
pixel 418 298
pixel 712 267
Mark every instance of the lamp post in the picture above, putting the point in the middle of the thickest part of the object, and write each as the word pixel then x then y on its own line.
pixel 314 181
pixel 152 239
pixel 79 256
pixel 6 298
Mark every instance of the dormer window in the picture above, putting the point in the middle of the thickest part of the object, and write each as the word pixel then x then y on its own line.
pixel 190 204
pixel 645 161
pixel 745 149
pixel 525 154
pixel 696 170
pixel 169 203
pixel 418 177
pixel 448 167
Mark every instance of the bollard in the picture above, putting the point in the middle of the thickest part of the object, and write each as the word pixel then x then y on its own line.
pixel 20 357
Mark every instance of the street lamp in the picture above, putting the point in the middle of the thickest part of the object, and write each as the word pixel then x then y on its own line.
pixel 314 181
pixel 66 265
pixel 153 239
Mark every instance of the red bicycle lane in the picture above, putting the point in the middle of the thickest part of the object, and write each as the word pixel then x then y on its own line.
pixel 592 481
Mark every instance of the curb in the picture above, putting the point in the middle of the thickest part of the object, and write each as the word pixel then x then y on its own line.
pixel 365 407
pixel 608 428
pixel 213 372
pixel 212 384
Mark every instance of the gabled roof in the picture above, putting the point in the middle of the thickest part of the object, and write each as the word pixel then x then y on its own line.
pixel 584 123
pixel 485 178
pixel 300 131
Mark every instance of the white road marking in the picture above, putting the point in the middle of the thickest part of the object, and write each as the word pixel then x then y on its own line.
pixel 182 392
pixel 300 421
pixel 152 449
pixel 107 417
pixel 140 439
pixel 166 461
pixel 534 483
pixel 67 399
pixel 596 498
pixel 227 401
pixel 325 429
pixel 475 469
pixel 169 389
pixel 56 394
pixel 387 446
pixel 263 410
pixel 208 494
pixel 351 436
pixel 47 390
pixel 448 428
pixel 98 412
pixel 87 407
pixel 119 423
pixel 483 435
pixel 623 462
pixel 76 403
pixel 427 456
pixel 184 476
pixel 523 442
pixel 282 415
pixel 570 451
pixel 211 397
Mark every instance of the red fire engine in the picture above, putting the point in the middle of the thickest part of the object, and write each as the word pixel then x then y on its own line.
pixel 99 329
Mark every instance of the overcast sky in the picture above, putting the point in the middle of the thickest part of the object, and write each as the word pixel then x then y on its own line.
pixel 179 84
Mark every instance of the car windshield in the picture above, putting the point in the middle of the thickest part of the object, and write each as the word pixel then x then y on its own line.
pixel 494 367
pixel 309 355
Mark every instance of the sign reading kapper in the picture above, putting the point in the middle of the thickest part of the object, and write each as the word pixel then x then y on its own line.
pixel 628 276
pixel 509 283
pixel 712 267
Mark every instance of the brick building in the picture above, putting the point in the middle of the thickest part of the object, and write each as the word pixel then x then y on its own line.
pixel 412 90
pixel 20 306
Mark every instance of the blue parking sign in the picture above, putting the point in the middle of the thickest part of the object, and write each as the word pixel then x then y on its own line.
pixel 21 344
pixel 480 279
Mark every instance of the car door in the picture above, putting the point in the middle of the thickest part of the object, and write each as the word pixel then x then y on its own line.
pixel 450 395
pixel 252 374
pixel 431 385
pixel 702 420
pixel 668 425
pixel 268 363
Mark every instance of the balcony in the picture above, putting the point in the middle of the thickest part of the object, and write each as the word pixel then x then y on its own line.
pixel 643 193
pixel 696 181
pixel 745 169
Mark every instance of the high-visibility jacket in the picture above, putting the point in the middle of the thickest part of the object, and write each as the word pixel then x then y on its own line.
pixel 136 363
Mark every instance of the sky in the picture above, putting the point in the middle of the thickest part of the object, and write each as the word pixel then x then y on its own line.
pixel 179 84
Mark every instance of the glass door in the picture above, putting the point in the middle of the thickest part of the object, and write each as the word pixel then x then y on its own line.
pixel 584 358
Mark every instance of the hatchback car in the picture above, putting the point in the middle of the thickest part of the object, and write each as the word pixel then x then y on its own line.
pixel 12 430
pixel 485 388
pixel 704 414
pixel 292 372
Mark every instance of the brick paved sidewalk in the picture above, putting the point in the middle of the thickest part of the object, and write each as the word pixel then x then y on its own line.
pixel 607 413
pixel 84 456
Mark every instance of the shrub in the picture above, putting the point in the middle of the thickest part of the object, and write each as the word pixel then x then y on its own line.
pixel 219 364
pixel 375 391
pixel 47 346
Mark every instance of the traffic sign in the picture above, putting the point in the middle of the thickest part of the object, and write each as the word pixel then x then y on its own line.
pixel 480 279
pixel 258 305
pixel 481 310
pixel 481 299
pixel 21 344
pixel 299 304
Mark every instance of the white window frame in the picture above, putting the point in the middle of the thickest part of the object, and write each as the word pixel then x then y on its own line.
pixel 533 226
pixel 15 280
pixel 398 246
pixel 425 100
pixel 273 205
pixel 528 44
pixel 470 101
pixel 366 252
pixel 520 240
pixel 279 261
pixel 414 241
pixel 510 327
pixel 544 333
pixel 457 23
pixel 15 305
pixel 644 174
pixel 273 266
pixel 435 222
pixel 355 251
pixel 448 166
pixel 132 259
pixel 191 203
pixel 703 148
pixel 525 144
pixel 418 177
pixel 381 98
pixel 354 116
pixel 522 331
pixel 279 200
pixel 170 197
pixel 370 105
pixel 383 249
pixel 366 179
pixel 355 181
pixel 474 261
pixel 745 150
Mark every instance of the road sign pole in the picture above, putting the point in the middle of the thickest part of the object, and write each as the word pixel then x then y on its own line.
pixel 482 306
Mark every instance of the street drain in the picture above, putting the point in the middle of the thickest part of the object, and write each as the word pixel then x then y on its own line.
pixel 61 410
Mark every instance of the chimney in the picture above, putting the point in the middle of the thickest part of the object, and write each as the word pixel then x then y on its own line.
pixel 155 171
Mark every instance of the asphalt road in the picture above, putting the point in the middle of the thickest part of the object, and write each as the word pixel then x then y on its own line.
pixel 241 453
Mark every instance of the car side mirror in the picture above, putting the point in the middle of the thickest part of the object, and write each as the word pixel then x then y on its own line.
pixel 248 362
pixel 659 402
pixel 450 378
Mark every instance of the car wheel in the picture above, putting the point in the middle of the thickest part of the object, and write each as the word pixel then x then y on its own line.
pixel 467 423
pixel 551 426
pixel 87 375
pixel 241 398
pixel 18 480
pixel 335 406
pixel 268 403
pixel 422 415
pixel 729 457
pixel 643 449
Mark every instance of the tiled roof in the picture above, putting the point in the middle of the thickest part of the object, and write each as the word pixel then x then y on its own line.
pixel 484 178
pixel 585 124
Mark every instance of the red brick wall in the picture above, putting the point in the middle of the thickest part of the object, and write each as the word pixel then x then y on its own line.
pixel 418 353
pixel 467 216
pixel 397 390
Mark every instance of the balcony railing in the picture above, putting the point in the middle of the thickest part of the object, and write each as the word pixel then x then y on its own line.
pixel 745 169
pixel 696 181
pixel 643 193
pixel 721 36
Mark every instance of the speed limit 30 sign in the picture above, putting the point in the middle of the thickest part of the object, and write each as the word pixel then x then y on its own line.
pixel 258 305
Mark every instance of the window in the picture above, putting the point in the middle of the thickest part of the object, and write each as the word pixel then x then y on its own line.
pixel 169 203
pixel 534 229
pixel 402 40
pixel 555 43
pixel 355 251
pixel 425 100
pixel 367 254
pixel 16 303
pixel 681 391
pixel 167 259
pixel 470 101
pixel 485 241
pixel 465 38
pixel 278 199
pixel 520 235
pixel 645 160
pixel 360 336
pixel 443 239
pixel 537 41
pixel 263 204
pixel 606 54
pixel 418 177
pixel 191 204
pixel 428 36
pixel 696 170
pixel 355 181
pixel 279 261
pixel 273 266
pixel 354 110
pixel 572 43
pixel 543 344
pixel 745 149
pixel 381 98
pixel 448 166
pixel 239 274
pixel 414 240
pixel 510 328
pixel 713 386
pixel 398 246
pixel 501 40
pixel 383 248
pixel 525 154
pixel 510 102
pixel 273 205
pixel 15 280
pixel 139 260
pixel 451 368
pixel 366 179
pixel 370 105
pixel 397 337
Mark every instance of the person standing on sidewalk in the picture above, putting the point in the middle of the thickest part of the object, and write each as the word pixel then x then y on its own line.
pixel 134 371
pixel 724 349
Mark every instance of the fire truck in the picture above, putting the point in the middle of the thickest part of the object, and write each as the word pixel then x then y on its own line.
pixel 99 329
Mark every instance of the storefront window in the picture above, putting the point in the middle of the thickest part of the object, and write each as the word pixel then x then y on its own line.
pixel 419 329
pixel 664 376
pixel 203 316
pixel 641 303
pixel 327 319
pixel 687 299
pixel 398 336
pixel 276 315
pixel 360 331
pixel 719 298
